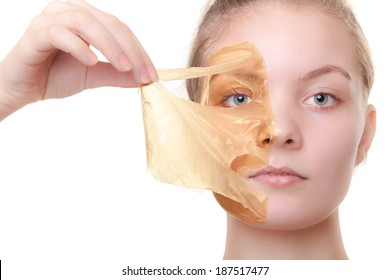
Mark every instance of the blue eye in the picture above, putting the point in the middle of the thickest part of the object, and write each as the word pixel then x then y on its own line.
pixel 321 99
pixel 237 100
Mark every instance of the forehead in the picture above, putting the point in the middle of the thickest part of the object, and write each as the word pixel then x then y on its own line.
pixel 298 38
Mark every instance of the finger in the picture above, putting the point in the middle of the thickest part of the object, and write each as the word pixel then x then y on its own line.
pixel 132 50
pixel 80 3
pixel 92 31
pixel 121 32
pixel 83 23
pixel 142 64
pixel 104 74
pixel 56 6
pixel 59 37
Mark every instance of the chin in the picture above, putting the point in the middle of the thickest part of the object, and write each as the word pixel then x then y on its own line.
pixel 238 211
pixel 280 216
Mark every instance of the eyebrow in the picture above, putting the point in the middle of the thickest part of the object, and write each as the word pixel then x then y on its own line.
pixel 327 69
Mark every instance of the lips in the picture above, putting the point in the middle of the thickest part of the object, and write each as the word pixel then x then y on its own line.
pixel 277 177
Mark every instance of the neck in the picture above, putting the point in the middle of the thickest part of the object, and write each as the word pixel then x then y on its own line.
pixel 321 241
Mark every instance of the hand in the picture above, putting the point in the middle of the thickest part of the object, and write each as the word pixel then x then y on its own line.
pixel 53 58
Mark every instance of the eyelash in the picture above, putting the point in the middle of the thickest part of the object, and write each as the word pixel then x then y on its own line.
pixel 324 107
pixel 334 99
pixel 233 93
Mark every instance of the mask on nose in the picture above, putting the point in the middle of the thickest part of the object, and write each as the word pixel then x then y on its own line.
pixel 216 143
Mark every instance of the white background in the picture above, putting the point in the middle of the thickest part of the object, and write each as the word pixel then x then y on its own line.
pixel 77 202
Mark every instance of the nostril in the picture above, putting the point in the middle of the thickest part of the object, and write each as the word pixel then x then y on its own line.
pixel 267 141
pixel 289 141
pixel 263 142
pixel 264 136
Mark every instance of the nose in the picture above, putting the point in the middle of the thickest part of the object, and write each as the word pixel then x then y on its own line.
pixel 283 132
pixel 288 131
pixel 266 134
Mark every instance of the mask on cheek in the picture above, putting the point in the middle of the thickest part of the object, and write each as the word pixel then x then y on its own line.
pixel 216 143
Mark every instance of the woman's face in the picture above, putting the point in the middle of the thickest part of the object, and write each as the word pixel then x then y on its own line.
pixel 316 96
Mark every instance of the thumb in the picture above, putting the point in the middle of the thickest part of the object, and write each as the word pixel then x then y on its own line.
pixel 104 74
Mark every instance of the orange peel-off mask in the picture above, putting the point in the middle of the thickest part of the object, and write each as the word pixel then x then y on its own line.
pixel 209 145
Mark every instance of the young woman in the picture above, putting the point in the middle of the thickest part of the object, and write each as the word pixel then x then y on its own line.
pixel 319 77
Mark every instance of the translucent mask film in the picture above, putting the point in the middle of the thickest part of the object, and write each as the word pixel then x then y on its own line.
pixel 217 143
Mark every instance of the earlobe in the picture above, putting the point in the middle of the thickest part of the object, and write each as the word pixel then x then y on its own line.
pixel 368 135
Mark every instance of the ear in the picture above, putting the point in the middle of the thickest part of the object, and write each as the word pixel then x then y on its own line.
pixel 368 135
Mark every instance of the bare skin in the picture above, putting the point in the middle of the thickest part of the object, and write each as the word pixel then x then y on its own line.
pixel 53 58
pixel 315 91
pixel 246 242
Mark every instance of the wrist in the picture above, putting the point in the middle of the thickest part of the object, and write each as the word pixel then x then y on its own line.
pixel 7 107
pixel 9 102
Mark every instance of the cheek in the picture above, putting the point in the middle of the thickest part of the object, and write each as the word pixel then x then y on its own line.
pixel 327 156
pixel 332 152
pixel 334 147
pixel 335 158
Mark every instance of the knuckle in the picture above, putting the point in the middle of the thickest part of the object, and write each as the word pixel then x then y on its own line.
pixel 113 21
pixel 53 30
pixel 53 6
pixel 35 22
pixel 81 17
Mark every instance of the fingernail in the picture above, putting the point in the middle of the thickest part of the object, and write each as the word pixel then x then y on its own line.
pixel 92 58
pixel 153 73
pixel 125 62
pixel 144 76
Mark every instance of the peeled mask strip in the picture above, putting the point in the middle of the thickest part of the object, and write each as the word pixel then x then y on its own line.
pixel 207 146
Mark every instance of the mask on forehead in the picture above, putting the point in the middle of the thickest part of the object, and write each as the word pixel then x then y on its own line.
pixel 207 145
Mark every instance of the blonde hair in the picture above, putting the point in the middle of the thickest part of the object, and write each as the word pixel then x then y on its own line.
pixel 220 12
